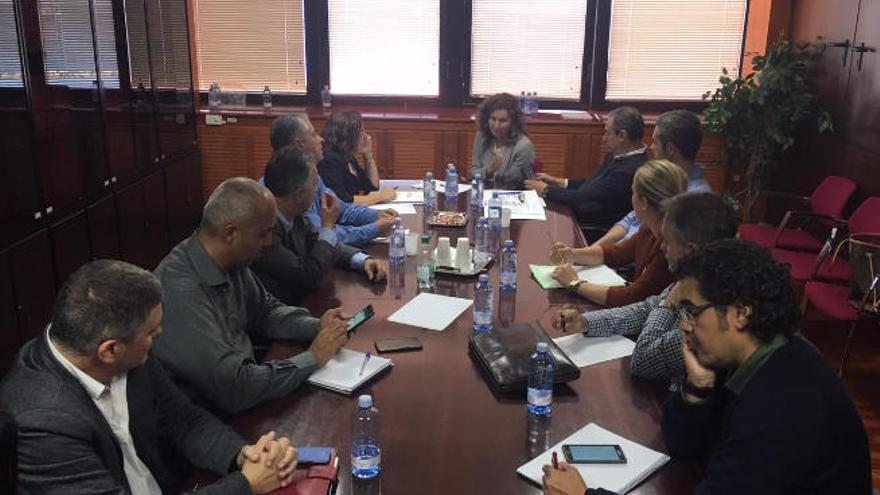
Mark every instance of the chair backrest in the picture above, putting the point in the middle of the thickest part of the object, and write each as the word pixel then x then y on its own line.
pixel 538 165
pixel 831 195
pixel 866 218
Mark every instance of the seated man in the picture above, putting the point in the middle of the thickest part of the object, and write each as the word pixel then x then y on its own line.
pixel 96 413
pixel 356 225
pixel 214 305
pixel 604 197
pixel 760 407
pixel 300 254
pixel 690 221
pixel 677 138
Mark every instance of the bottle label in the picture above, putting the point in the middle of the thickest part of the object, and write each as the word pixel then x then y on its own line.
pixel 540 397
pixel 425 272
pixel 366 463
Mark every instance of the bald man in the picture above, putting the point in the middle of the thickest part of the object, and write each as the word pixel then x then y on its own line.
pixel 214 305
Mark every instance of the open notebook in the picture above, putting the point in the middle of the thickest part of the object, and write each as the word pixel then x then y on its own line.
pixel 600 275
pixel 619 478
pixel 342 373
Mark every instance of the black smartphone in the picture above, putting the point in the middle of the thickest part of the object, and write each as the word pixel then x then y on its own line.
pixel 398 345
pixel 593 454
pixel 360 318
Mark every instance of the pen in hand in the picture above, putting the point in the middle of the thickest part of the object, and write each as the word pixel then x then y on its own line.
pixel 562 321
pixel 364 364
pixel 555 460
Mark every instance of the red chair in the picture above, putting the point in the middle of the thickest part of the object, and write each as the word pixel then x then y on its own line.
pixel 833 301
pixel 826 203
pixel 538 165
pixel 807 266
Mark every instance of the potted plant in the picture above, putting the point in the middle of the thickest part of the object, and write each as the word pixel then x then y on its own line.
pixel 759 114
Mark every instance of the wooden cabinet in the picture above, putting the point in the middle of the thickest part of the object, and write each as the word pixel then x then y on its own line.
pixel 103 229
pixel 33 282
pixel 861 118
pixel 183 186
pixel 143 230
pixel 10 340
pixel 70 245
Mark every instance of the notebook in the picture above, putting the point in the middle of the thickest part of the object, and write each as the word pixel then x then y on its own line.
pixel 313 479
pixel 600 275
pixel 342 373
pixel 619 478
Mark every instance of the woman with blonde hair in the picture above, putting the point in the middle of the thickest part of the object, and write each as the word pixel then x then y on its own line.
pixel 503 153
pixel 653 183
pixel 344 141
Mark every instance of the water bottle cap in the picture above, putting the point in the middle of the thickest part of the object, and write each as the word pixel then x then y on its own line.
pixel 484 278
pixel 429 175
pixel 508 243
pixel 542 347
pixel 396 222
pixel 426 239
pixel 494 194
pixel 483 221
pixel 478 176
pixel 366 401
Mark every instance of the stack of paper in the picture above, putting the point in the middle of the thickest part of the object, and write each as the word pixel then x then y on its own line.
pixel 440 187
pixel 599 275
pixel 400 208
pixel 524 205
pixel 587 351
pixel 619 478
pixel 409 197
pixel 431 311
pixel 343 373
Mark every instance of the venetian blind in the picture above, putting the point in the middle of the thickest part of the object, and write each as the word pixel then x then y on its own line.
pixel 672 49
pixel 246 45
pixel 69 54
pixel 10 62
pixel 384 47
pixel 169 44
pixel 524 45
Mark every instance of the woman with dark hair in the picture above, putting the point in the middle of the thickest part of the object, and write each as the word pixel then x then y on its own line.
pixel 503 153
pixel 345 140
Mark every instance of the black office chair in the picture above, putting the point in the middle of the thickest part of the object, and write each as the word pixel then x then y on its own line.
pixel 8 453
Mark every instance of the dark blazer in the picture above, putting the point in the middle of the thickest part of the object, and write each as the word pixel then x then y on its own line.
pixel 336 175
pixel 297 261
pixel 66 446
pixel 606 196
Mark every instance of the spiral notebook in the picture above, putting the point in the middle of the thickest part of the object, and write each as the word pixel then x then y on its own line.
pixel 343 373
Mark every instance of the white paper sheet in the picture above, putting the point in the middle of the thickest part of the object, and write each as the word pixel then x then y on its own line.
pixel 524 205
pixel 431 311
pixel 440 186
pixel 342 373
pixel 400 208
pixel 600 275
pixel 409 197
pixel 619 478
pixel 587 351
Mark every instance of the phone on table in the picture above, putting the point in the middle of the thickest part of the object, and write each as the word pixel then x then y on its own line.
pixel 398 345
pixel 593 454
pixel 312 455
pixel 360 318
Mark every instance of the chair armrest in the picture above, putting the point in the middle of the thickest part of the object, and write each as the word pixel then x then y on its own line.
pixel 806 216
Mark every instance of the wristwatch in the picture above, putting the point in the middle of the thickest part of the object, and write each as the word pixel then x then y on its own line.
pixel 698 392
pixel 574 284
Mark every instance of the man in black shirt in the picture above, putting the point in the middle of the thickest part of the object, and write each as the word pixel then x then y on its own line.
pixel 759 406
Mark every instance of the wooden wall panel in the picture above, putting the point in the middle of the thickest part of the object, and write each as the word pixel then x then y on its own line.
pixel 553 150
pixel 415 152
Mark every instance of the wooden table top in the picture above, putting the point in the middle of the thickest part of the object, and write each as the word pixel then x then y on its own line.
pixel 443 429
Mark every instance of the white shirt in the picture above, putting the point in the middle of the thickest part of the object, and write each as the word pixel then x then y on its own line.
pixel 112 401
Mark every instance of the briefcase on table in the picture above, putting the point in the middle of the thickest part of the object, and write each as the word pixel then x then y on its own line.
pixel 503 355
pixel 313 479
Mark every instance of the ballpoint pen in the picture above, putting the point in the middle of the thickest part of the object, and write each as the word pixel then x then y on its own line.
pixel 562 321
pixel 364 364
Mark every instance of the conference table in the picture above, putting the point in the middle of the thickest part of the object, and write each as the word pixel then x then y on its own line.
pixel 443 429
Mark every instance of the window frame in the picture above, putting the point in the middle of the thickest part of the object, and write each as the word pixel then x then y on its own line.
pixel 455 65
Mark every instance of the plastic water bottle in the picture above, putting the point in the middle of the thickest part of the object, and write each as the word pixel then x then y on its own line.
pixel 475 200
pixel 508 266
pixel 494 212
pixel 451 186
pixel 425 265
pixel 267 98
pixel 522 102
pixel 325 97
pixel 397 244
pixel 482 252
pixel 483 304
pixel 540 393
pixel 429 192
pixel 481 184
pixel 535 102
pixel 366 455
pixel 214 96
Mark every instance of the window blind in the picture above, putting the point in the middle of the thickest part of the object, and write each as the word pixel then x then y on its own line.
pixel 524 45
pixel 384 47
pixel 10 61
pixel 69 54
pixel 138 53
pixel 244 46
pixel 672 49
pixel 169 44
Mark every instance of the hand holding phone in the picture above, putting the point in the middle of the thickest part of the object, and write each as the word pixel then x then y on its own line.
pixel 360 318
pixel 593 454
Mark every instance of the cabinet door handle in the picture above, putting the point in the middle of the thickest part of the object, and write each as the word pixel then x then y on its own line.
pixel 839 44
pixel 861 49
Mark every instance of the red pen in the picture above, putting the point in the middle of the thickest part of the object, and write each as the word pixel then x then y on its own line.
pixel 555 461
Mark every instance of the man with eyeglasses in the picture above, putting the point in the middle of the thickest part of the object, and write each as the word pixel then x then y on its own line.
pixel 760 407
pixel 690 221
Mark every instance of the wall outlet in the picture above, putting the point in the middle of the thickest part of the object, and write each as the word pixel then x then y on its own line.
pixel 213 119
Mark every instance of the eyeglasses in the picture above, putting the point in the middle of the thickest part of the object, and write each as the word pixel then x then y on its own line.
pixel 691 312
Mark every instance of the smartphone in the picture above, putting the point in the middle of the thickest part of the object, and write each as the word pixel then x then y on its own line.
pixel 360 318
pixel 312 455
pixel 398 345
pixel 593 454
